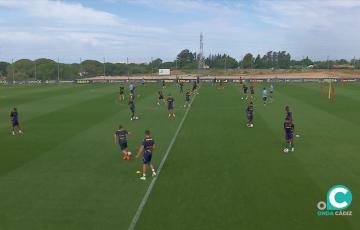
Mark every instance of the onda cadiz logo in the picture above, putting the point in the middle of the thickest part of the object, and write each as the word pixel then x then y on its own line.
pixel 338 199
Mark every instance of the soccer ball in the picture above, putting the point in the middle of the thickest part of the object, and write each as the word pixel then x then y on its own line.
pixel 297 135
pixel 286 150
pixel 136 118
pixel 129 153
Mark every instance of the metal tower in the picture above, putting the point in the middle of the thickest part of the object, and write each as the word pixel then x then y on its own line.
pixel 201 60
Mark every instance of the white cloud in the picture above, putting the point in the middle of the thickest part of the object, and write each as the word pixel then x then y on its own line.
pixel 57 28
pixel 309 27
pixel 310 13
pixel 208 7
pixel 73 13
pixel 315 28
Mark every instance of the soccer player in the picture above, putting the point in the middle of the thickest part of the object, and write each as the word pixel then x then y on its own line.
pixel 250 115
pixel 289 130
pixel 132 109
pixel 163 84
pixel 271 91
pixel 14 121
pixel 194 87
pixel 170 100
pixel 181 87
pixel 122 93
pixel 147 146
pixel 187 98
pixel 132 88
pixel 245 89
pixel 161 97
pixel 221 84
pixel 252 92
pixel 264 95
pixel 288 113
pixel 120 137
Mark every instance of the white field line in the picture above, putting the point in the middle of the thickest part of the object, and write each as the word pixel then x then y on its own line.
pixel 151 186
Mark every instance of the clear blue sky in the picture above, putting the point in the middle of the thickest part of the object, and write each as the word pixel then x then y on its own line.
pixel 142 29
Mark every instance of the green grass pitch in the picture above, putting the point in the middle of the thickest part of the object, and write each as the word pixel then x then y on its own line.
pixel 66 173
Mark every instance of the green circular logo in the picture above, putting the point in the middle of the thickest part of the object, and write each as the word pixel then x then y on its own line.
pixel 339 197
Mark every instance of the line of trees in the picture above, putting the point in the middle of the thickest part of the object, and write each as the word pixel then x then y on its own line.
pixel 47 69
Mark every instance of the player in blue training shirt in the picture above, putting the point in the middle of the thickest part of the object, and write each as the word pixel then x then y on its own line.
pixel 264 95
pixel 250 115
pixel 122 93
pixel 147 146
pixel 245 89
pixel 187 98
pixel 288 113
pixel 120 137
pixel 14 121
pixel 170 101
pixel 132 109
pixel 161 97
pixel 289 130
